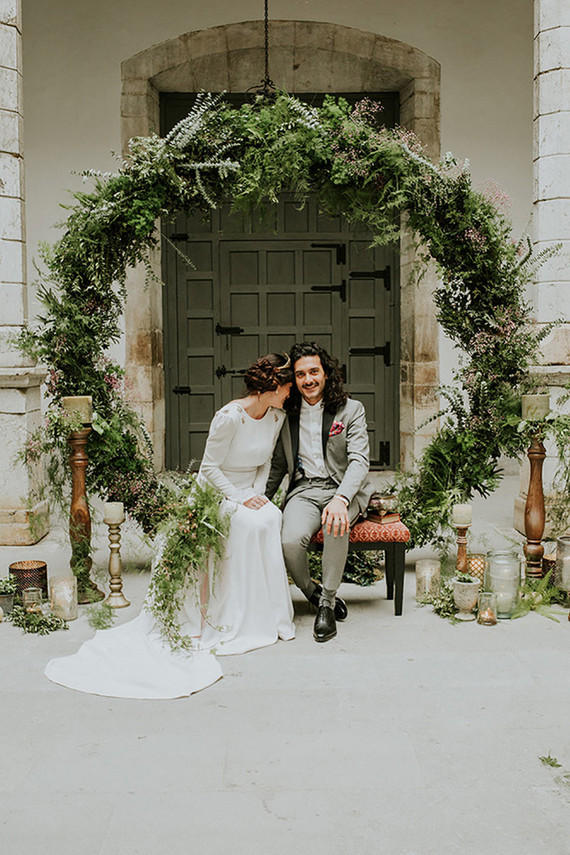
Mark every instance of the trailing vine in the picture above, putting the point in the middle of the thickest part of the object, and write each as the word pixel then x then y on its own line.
pixel 192 537
pixel 368 173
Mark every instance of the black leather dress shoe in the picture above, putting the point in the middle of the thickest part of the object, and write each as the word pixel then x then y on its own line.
pixel 325 625
pixel 340 607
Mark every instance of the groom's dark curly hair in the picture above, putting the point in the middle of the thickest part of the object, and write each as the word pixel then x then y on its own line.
pixel 334 395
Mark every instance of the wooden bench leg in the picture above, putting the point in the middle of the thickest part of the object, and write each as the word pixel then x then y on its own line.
pixel 399 552
pixel 389 570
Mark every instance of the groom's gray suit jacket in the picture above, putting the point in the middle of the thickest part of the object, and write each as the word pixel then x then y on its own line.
pixel 345 451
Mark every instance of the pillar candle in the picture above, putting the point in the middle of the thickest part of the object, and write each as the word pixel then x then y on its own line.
pixel 535 407
pixel 113 513
pixel 81 405
pixel 461 515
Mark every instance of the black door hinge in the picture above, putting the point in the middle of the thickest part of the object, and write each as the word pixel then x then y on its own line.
pixel 220 330
pixel 384 456
pixel 385 275
pixel 340 288
pixel 373 351
pixel 178 236
pixel 340 250
pixel 182 390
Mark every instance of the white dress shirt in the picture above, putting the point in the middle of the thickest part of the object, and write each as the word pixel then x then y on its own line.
pixel 310 440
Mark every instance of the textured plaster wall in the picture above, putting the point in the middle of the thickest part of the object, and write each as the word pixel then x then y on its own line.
pixel 73 51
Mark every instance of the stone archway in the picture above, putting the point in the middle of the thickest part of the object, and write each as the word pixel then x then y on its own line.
pixel 306 56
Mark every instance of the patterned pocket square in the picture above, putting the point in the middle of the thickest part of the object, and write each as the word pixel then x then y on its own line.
pixel 336 428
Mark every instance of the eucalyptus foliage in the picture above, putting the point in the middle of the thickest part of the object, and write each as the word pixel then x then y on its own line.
pixel 36 622
pixel 443 602
pixel 358 168
pixel 8 585
pixel 361 568
pixel 540 596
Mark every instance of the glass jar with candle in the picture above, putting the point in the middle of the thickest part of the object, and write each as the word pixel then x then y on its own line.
pixel 503 579
pixel 487 612
pixel 562 577
pixel 32 600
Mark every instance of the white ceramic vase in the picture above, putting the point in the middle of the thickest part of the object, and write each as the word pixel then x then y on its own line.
pixel 465 598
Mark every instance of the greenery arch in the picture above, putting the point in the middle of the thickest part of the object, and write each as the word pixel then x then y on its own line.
pixel 358 168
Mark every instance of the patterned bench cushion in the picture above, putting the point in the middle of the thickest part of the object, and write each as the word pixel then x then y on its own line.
pixel 366 531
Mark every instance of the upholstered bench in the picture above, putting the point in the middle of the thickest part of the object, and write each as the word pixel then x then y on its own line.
pixel 389 537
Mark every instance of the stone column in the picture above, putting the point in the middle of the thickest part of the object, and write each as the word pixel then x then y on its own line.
pixel 551 214
pixel 419 342
pixel 21 521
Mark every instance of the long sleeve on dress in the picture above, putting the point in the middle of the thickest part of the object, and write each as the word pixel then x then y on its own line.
pixel 222 430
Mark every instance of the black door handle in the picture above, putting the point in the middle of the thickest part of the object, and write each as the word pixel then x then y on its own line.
pixel 220 330
pixel 222 371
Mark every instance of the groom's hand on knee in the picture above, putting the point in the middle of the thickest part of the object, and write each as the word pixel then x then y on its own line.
pixel 335 517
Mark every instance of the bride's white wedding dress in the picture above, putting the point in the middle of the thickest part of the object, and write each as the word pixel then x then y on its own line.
pixel 249 604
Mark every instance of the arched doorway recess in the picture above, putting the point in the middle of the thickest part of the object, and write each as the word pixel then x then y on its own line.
pixel 306 56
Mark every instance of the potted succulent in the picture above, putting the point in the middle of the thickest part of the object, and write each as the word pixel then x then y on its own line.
pixel 465 592
pixel 7 590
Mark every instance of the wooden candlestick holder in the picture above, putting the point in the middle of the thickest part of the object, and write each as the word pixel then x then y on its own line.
pixel 116 598
pixel 461 563
pixel 534 512
pixel 80 519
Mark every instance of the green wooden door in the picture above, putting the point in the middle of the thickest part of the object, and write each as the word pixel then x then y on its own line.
pixel 260 283
pixel 272 295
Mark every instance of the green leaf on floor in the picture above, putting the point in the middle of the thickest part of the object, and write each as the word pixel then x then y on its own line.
pixel 101 616
pixel 548 760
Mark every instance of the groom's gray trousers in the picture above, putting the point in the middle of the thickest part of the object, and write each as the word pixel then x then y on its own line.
pixel 301 520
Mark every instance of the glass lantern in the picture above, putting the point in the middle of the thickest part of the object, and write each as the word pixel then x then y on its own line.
pixel 428 572
pixel 503 579
pixel 63 597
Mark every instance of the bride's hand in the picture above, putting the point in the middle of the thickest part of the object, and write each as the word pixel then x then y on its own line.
pixel 256 502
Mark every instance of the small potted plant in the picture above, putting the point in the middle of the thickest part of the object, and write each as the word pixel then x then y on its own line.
pixel 7 592
pixel 465 592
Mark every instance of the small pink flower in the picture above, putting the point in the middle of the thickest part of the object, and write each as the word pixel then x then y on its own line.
pixel 475 237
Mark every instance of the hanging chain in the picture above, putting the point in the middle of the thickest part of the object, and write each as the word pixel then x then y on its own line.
pixel 266 78
pixel 267 86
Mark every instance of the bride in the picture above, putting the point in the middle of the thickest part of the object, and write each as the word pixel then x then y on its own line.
pixel 249 606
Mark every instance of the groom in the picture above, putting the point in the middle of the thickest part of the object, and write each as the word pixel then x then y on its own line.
pixel 323 447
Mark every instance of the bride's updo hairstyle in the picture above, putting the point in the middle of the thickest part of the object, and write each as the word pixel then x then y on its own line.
pixel 267 373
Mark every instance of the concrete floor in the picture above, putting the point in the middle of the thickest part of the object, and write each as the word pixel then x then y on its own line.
pixel 402 736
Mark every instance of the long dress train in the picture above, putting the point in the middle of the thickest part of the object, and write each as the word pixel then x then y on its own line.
pixel 249 604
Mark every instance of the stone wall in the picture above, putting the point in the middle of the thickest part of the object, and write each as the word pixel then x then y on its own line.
pixel 20 406
pixel 551 215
